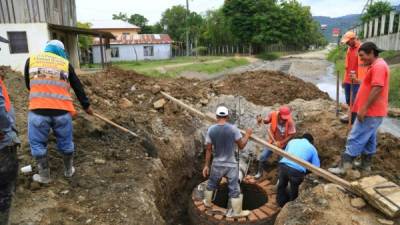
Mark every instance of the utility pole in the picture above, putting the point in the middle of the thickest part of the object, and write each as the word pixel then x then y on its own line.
pixel 187 29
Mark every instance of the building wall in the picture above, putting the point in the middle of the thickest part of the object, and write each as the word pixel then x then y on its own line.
pixel 60 12
pixel 119 32
pixel 37 35
pixel 127 52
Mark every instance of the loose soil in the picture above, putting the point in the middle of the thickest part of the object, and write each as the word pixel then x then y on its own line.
pixel 122 180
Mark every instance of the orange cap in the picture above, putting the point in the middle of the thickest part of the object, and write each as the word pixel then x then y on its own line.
pixel 348 36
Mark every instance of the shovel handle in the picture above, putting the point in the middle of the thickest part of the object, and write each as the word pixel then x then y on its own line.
pixel 115 125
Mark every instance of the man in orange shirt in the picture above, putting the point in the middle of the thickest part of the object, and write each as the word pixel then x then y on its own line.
pixel 280 132
pixel 371 105
pixel 354 70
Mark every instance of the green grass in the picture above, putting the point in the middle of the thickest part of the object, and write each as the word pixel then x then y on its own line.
pixel 269 55
pixel 338 55
pixel 200 64
pixel 394 93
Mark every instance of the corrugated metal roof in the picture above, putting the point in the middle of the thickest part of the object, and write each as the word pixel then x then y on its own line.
pixel 112 24
pixel 135 39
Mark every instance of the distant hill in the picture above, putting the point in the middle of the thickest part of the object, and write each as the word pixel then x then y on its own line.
pixel 344 23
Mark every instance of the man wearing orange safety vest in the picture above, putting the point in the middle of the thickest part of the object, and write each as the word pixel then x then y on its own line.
pixel 282 129
pixel 49 77
pixel 355 70
pixel 9 143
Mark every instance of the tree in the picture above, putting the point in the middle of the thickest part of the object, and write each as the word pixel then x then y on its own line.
pixel 175 20
pixel 84 41
pixel 216 30
pixel 375 10
pixel 137 20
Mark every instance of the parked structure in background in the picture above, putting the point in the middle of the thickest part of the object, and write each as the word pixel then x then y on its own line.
pixel 29 25
pixel 384 31
pixel 129 45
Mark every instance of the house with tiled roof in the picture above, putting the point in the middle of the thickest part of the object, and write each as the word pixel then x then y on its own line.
pixel 128 44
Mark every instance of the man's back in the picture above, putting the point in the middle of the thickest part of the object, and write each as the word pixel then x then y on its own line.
pixel 303 149
pixel 223 138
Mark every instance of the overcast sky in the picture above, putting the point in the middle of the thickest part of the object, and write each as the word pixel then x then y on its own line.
pixel 89 10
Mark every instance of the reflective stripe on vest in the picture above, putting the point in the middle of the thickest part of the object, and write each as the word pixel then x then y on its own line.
pixel 4 91
pixel 49 84
pixel 33 95
pixel 274 124
pixel 62 84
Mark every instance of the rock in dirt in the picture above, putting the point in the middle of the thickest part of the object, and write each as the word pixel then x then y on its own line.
pixel 204 101
pixel 385 222
pixel 125 103
pixel 156 89
pixel 100 161
pixel 358 203
pixel 159 104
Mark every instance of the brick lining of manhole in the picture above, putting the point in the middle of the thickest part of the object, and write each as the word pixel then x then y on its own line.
pixel 269 209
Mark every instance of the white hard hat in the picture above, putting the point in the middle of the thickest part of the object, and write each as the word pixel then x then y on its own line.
pixel 222 111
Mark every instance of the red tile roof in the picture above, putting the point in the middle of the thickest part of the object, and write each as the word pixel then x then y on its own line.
pixel 135 39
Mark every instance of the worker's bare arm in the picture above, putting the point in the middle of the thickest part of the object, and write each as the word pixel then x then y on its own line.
pixel 243 141
pixel 286 140
pixel 206 169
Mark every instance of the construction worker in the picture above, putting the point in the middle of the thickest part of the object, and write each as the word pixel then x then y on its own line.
pixel 223 137
pixel 355 70
pixel 49 77
pixel 371 105
pixel 9 143
pixel 291 172
pixel 281 130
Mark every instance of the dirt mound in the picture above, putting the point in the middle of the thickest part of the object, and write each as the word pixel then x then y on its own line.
pixel 268 88
pixel 120 180
pixel 326 204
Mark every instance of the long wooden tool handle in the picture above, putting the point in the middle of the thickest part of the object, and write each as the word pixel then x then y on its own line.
pixel 316 170
pixel 115 125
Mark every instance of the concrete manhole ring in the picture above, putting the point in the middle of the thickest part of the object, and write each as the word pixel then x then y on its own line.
pixel 262 212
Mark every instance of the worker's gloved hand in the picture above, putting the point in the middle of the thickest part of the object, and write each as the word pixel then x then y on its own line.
pixel 206 171
pixel 89 111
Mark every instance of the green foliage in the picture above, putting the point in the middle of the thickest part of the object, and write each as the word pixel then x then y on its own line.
pixel 394 91
pixel 216 29
pixel 268 56
pixel 265 22
pixel 140 21
pixel 201 50
pixel 377 9
pixel 175 20
pixel 84 41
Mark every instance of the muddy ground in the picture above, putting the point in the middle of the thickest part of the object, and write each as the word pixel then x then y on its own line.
pixel 125 180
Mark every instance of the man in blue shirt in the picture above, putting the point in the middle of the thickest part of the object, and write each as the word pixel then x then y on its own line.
pixel 291 172
pixel 8 153
pixel 223 138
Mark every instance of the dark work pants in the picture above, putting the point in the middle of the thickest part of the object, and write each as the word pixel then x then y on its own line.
pixel 288 175
pixel 8 178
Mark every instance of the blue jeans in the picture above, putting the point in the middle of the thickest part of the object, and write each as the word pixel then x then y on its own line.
pixel 265 154
pixel 39 128
pixel 347 88
pixel 231 173
pixel 362 139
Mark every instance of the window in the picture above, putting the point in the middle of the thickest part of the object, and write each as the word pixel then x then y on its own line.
pixel 148 50
pixel 18 42
pixel 114 52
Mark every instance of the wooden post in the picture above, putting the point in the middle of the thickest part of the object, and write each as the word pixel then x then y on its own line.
pixel 318 171
pixel 102 51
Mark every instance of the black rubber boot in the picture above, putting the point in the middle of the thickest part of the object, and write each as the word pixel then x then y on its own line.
pixel 345 165
pixel 69 169
pixel 366 163
pixel 43 175
pixel 260 170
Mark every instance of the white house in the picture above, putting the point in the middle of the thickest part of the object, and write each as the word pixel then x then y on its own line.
pixel 29 25
pixel 129 45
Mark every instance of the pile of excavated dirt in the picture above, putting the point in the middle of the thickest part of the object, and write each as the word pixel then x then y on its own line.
pixel 123 180
pixel 328 204
pixel 268 88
